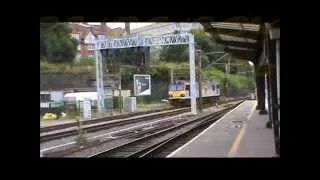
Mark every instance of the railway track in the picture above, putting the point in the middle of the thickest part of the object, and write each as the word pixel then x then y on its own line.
pixel 99 120
pixel 113 138
pixel 70 129
pixel 109 118
pixel 158 143
pixel 120 135
pixel 105 125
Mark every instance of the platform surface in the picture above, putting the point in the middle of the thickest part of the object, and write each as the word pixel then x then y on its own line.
pixel 240 133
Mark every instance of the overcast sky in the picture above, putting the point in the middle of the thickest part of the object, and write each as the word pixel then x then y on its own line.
pixel 132 25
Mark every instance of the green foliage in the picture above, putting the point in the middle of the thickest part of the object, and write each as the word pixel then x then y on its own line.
pixel 154 55
pixel 127 56
pixel 56 44
pixel 213 74
pixel 81 137
pixel 205 42
pixel 86 61
pixel 239 82
pixel 47 67
pixel 178 53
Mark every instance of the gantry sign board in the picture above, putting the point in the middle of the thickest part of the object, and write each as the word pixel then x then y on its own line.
pixel 145 41
pixel 142 85
pixel 142 41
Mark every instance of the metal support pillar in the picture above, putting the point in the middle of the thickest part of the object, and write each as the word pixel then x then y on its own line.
pixel 269 123
pixel 278 92
pixel 274 96
pixel 99 81
pixel 171 75
pixel 274 114
pixel 260 81
pixel 199 79
pixel 120 89
pixel 192 75
pixel 227 74
pixel 278 75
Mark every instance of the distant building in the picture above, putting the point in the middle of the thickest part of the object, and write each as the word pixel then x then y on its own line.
pixel 85 34
pixel 158 29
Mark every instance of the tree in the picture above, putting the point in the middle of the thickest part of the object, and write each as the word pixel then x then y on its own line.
pixel 180 53
pixel 56 44
pixel 176 53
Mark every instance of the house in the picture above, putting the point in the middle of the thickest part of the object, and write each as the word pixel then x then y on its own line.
pixel 158 29
pixel 85 34
pixel 117 32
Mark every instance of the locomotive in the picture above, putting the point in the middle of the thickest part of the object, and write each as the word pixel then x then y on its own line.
pixel 179 92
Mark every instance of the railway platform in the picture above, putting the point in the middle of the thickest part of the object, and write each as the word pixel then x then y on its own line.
pixel 239 133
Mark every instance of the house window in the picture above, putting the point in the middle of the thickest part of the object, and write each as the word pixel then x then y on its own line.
pixel 101 36
pixel 76 36
pixel 90 46
pixel 89 39
pixel 45 97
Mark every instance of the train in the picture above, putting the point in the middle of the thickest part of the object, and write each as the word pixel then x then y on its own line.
pixel 179 92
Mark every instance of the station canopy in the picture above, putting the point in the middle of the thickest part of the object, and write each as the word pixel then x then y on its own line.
pixel 241 40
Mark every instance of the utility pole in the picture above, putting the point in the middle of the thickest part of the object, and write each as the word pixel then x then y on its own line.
pixel 171 74
pixel 199 79
pixel 127 29
pixel 99 80
pixel 227 75
pixel 120 89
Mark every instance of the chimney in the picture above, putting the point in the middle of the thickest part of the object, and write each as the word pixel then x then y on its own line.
pixel 104 28
pixel 127 28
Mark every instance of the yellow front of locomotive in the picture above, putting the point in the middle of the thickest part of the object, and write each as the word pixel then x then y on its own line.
pixel 177 90
pixel 177 94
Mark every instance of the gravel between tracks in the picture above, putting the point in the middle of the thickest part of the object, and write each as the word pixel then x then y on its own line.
pixel 70 139
pixel 116 142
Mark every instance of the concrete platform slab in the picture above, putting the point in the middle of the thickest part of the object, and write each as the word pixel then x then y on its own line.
pixel 240 133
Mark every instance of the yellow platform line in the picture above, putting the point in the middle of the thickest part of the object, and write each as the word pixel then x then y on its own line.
pixel 236 143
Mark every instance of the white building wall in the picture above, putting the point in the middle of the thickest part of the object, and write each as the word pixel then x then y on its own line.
pixel 89 38
pixel 158 29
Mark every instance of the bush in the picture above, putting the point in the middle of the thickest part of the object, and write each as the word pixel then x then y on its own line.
pixel 46 67
pixel 213 74
pixel 86 61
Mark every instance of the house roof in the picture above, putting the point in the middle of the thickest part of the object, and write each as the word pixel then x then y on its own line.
pixel 118 29
pixel 84 29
